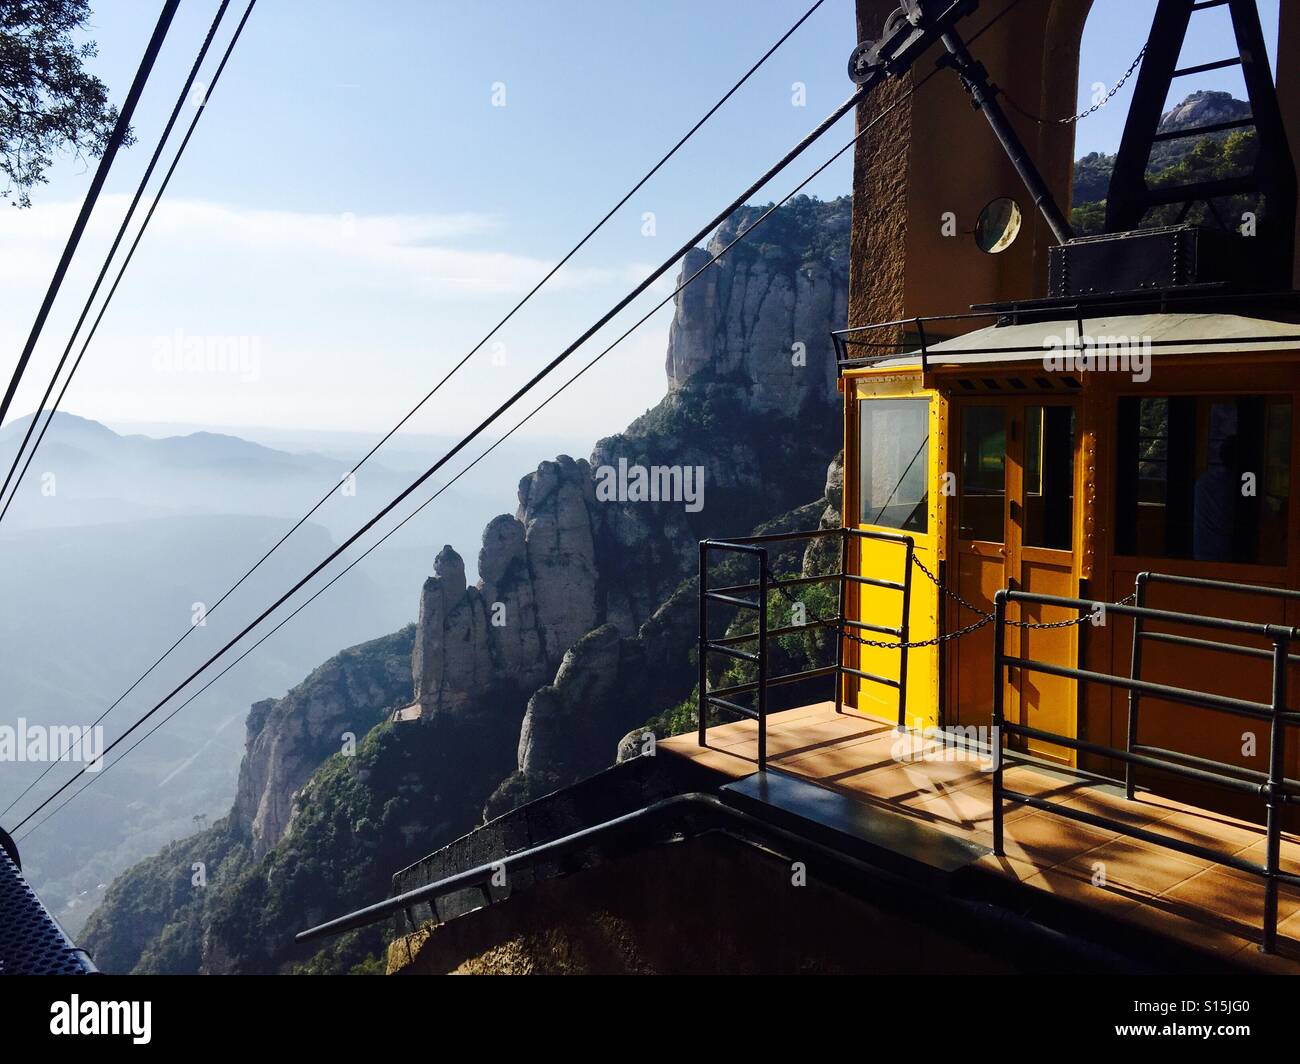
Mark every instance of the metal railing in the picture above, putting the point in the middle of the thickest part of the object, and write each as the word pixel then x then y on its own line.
pixel 1142 634
pixel 1272 787
pixel 699 815
pixel 736 596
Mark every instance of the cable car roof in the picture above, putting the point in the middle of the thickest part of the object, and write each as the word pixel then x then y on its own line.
pixel 1171 333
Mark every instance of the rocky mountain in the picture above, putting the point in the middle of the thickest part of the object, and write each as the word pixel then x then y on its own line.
pixel 1174 161
pixel 579 628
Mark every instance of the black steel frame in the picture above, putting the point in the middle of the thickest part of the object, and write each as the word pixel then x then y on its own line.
pixel 1274 788
pixel 1129 196
pixel 734 595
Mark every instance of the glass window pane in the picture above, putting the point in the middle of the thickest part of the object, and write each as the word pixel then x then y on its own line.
pixel 1049 477
pixel 894 437
pixel 983 473
pixel 1204 477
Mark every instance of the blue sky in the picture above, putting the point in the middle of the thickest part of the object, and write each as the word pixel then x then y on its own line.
pixel 355 208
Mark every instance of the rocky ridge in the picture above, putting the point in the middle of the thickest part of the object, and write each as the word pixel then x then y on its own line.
pixel 579 628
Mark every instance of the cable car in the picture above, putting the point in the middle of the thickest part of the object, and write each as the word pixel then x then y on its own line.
pixel 1134 415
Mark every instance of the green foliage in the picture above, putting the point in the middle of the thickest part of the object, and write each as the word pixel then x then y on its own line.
pixel 800 233
pixel 160 891
pixel 1091 178
pixel 47 100
pixel 681 718
pixel 346 954
pixel 1211 158
pixel 793 652
pixel 1089 218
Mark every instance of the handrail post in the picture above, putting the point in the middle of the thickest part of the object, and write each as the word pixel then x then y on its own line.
pixel 840 625
pixel 762 661
pixel 1275 788
pixel 905 629
pixel 999 649
pixel 702 651
pixel 1135 673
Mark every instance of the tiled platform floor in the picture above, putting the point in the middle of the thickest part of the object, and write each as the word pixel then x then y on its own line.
pixel 1216 907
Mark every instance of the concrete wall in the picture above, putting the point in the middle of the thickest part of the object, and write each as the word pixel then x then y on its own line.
pixel 711 905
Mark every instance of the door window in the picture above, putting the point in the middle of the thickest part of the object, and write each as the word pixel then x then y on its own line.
pixel 1049 477
pixel 983 486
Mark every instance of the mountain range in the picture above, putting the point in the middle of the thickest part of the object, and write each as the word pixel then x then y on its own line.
pixel 577 630
pixel 571 626
pixel 111 542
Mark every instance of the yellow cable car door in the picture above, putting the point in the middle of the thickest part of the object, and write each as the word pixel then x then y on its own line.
pixel 1014 527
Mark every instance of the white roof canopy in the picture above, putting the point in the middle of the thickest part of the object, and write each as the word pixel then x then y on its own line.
pixel 1171 333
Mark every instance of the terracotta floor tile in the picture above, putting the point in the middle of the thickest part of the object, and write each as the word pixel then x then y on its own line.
pixel 1067 881
pixel 722 761
pixel 816 709
pixel 1229 897
pixel 732 734
pixel 1046 840
pixel 1028 780
pixel 1289 933
pixel 1131 864
pixel 1188 925
pixel 844 759
pixel 1137 813
pixel 899 782
pixel 813 736
pixel 969 808
pixel 1212 830
pixel 1010 866
pixel 1211 906
pixel 1290 855
pixel 884 772
pixel 1286 961
pixel 1161 801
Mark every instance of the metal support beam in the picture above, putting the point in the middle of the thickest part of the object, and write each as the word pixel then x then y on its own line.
pixel 984 96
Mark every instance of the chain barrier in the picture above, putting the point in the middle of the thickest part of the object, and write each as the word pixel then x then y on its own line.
pixel 1072 119
pixel 984 616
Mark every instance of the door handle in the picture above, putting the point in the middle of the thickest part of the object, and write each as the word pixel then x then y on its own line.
pixel 1017 512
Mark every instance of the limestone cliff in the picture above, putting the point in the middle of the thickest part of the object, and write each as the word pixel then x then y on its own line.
pixel 751 405
pixel 579 628
pixel 289 737
pixel 769 299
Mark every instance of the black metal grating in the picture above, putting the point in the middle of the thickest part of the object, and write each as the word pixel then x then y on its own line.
pixel 31 943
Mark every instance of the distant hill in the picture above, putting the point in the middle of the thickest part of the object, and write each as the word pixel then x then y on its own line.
pixel 600 620
pixel 1212 156
pixel 100 476
pixel 110 541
